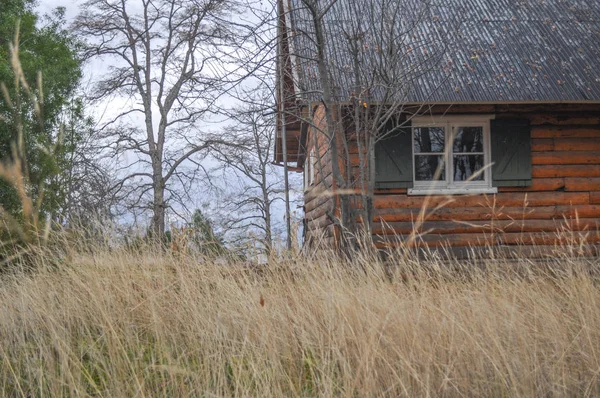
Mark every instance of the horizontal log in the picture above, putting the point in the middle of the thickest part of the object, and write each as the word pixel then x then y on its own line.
pixel 595 198
pixel 512 199
pixel 320 211
pixel 577 144
pixel 481 213
pixel 566 157
pixel 566 144
pixel 506 238
pixel 571 238
pixel 454 227
pixel 318 203
pixel 314 191
pixel 582 184
pixel 564 119
pixel 435 240
pixel 537 185
pixel 542 144
pixel 557 171
pixel 318 223
pixel 565 132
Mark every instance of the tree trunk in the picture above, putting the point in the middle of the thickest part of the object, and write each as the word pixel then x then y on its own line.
pixel 268 233
pixel 158 205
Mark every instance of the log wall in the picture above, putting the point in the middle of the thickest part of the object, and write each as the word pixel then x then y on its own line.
pixel 319 204
pixel 561 206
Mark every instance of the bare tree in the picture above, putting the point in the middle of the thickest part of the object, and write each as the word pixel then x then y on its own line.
pixel 252 133
pixel 87 180
pixel 169 61
pixel 384 53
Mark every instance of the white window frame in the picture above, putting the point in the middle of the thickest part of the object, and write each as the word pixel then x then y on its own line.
pixel 309 169
pixel 449 187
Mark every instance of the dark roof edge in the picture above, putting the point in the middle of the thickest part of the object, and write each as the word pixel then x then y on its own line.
pixel 313 104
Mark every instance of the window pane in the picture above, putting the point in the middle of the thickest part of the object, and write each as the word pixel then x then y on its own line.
pixel 426 167
pixel 468 139
pixel 429 139
pixel 467 165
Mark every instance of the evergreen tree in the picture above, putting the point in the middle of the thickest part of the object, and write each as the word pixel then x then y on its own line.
pixel 51 67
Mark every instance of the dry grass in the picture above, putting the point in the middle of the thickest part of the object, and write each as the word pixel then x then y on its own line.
pixel 118 324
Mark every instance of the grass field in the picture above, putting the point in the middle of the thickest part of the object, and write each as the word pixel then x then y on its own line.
pixel 123 324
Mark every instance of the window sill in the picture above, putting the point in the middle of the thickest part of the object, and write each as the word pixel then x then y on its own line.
pixel 452 191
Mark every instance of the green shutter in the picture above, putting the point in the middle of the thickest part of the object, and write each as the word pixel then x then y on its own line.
pixel 393 158
pixel 511 153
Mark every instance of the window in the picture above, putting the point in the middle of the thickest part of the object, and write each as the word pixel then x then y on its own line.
pixel 309 170
pixel 449 155
pixel 452 154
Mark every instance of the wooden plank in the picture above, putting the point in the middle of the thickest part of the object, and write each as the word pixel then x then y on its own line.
pixel 565 132
pixel 319 223
pixel 511 199
pixel 554 171
pixel 317 202
pixel 582 184
pixel 542 144
pixel 482 213
pixel 314 191
pixel 319 211
pixel 537 185
pixel 457 240
pixel 548 238
pixel 595 198
pixel 454 227
pixel 467 240
pixel 566 157
pixel 577 144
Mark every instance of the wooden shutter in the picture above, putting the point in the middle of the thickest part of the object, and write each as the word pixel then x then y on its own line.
pixel 393 158
pixel 511 153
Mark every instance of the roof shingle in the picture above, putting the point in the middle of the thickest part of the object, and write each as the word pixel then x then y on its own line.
pixel 453 51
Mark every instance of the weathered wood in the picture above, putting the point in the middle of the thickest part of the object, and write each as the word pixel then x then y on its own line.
pixel 314 191
pixel 566 157
pixel 542 144
pixel 482 213
pixel 454 227
pixel 554 171
pixel 564 195
pixel 511 199
pixel 565 132
pixel 577 144
pixel 504 238
pixel 317 201
pixel 538 185
pixel 595 198
pixel 582 184
pixel 320 222
pixel 320 211
pixel 567 119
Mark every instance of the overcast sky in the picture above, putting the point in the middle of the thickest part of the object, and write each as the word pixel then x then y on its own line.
pixel 72 6
pixel 95 69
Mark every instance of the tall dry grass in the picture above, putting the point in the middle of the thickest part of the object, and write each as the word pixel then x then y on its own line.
pixel 117 323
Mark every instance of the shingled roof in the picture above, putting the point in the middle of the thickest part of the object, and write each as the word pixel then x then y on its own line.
pixel 452 51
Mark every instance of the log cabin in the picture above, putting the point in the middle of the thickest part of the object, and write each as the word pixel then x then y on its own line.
pixel 492 126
